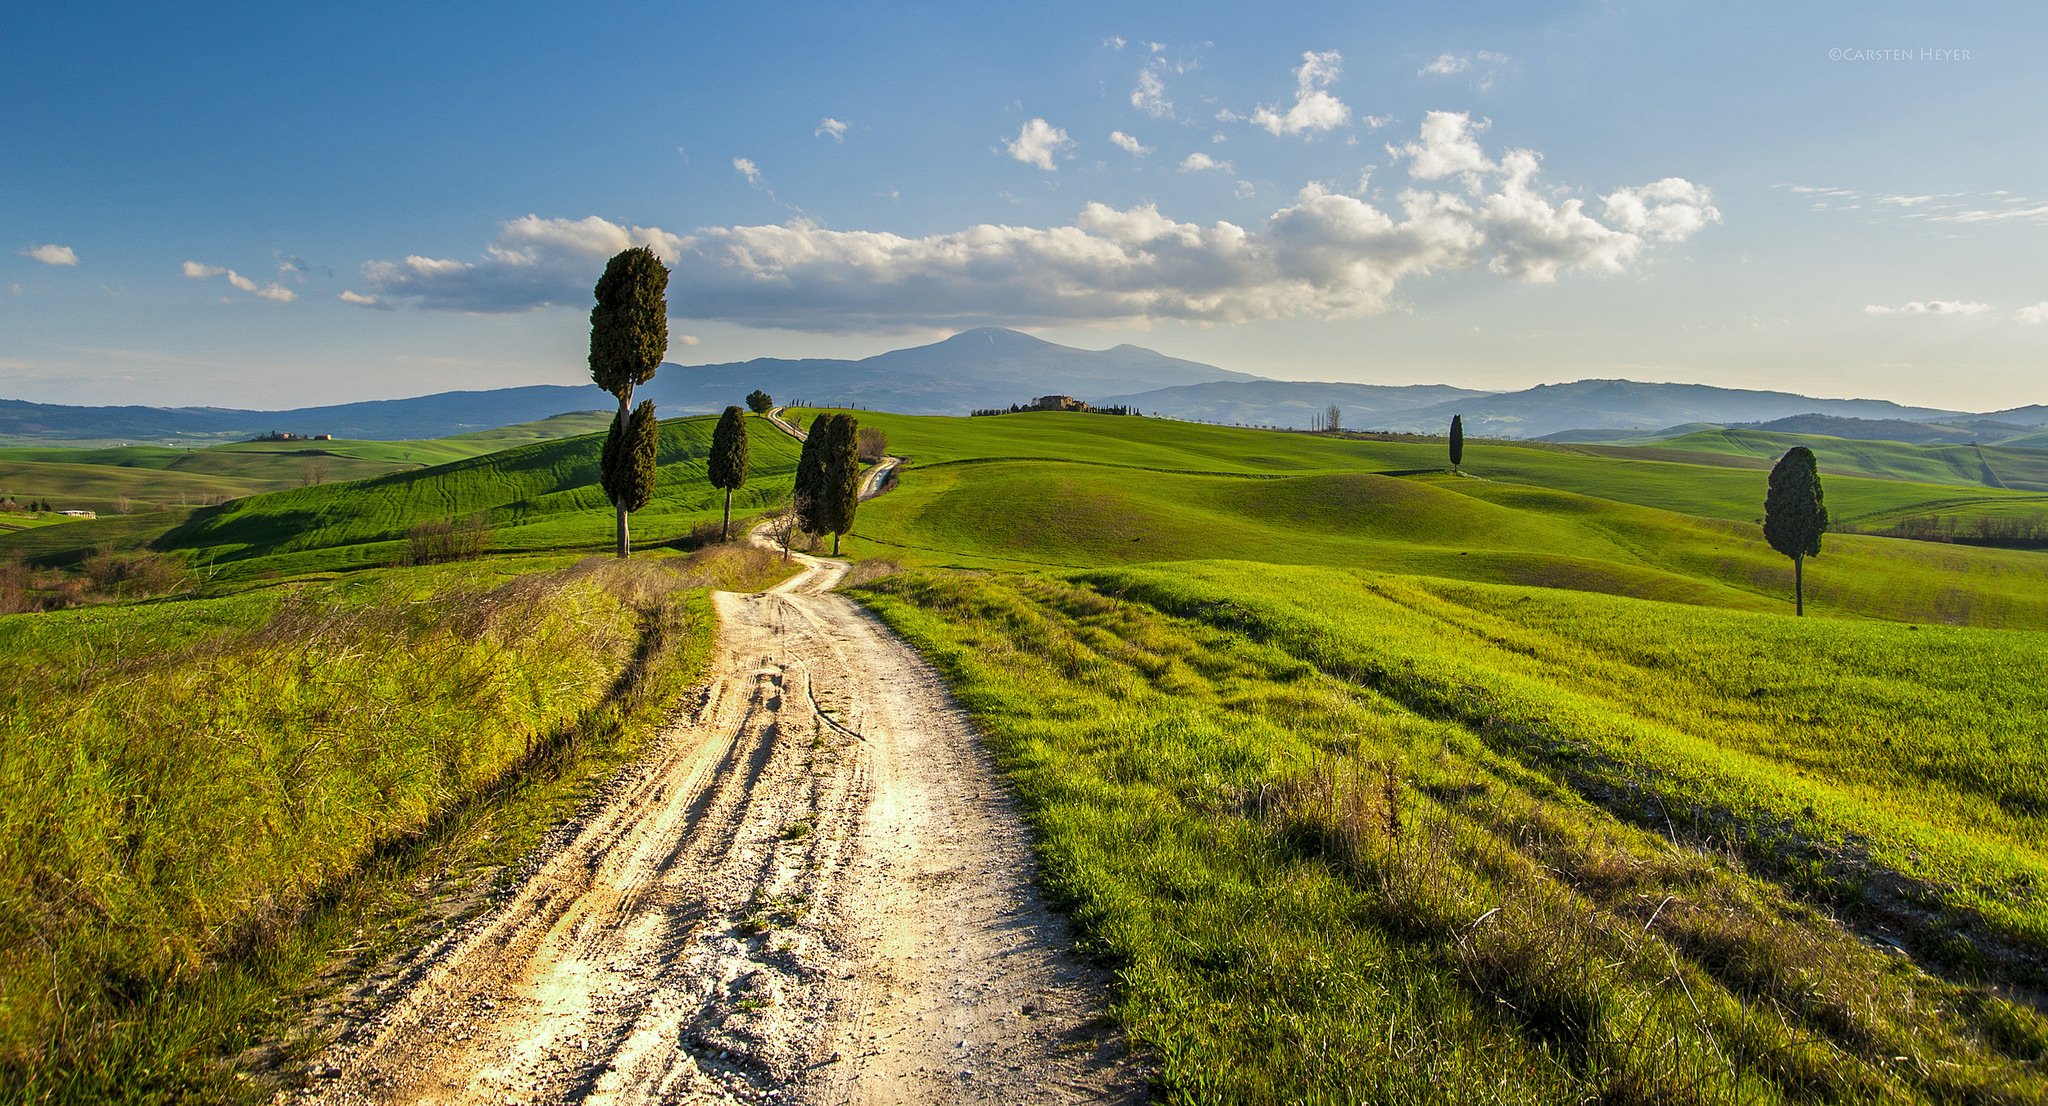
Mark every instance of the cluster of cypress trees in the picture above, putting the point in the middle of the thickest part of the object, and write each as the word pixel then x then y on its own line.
pixel 828 477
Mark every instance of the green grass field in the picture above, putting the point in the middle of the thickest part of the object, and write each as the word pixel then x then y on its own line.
pixel 1359 815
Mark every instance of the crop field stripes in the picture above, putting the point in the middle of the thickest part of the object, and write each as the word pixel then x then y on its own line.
pixel 1574 937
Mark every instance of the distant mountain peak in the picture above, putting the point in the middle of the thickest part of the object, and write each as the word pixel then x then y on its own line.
pixel 995 335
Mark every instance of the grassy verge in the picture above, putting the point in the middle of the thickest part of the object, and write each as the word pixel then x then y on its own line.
pixel 1315 891
pixel 202 801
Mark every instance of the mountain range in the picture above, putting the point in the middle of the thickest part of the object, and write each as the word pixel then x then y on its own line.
pixel 992 367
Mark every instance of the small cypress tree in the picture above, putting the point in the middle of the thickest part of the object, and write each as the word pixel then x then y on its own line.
pixel 760 402
pixel 1457 441
pixel 628 337
pixel 839 476
pixel 727 466
pixel 1795 515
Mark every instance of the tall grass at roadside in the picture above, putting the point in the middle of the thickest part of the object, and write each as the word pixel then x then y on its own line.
pixel 183 785
pixel 1311 892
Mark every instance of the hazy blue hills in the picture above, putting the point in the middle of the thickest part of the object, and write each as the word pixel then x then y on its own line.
pixel 977 368
pixel 1552 409
pixel 988 367
pixel 992 367
pixel 433 416
pixel 1291 403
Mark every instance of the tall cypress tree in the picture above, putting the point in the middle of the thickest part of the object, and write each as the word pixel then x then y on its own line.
pixel 727 467
pixel 840 476
pixel 1795 515
pixel 628 337
pixel 1457 441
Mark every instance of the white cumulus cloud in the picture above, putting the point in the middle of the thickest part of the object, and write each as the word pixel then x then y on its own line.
pixel 274 292
pixel 745 167
pixel 1199 161
pixel 1448 145
pixel 1128 144
pixel 535 262
pixel 2035 314
pixel 1930 307
pixel 1445 65
pixel 1314 109
pixel 1037 143
pixel 51 254
pixel 831 127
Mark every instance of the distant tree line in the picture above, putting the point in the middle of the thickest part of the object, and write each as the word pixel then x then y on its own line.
pixel 2004 533
pixel 1087 409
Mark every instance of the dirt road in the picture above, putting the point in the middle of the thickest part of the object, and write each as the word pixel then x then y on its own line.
pixel 814 889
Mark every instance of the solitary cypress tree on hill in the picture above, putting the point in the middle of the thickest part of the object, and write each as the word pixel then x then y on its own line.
pixel 1795 515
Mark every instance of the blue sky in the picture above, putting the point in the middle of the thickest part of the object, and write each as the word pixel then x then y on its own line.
pixel 272 205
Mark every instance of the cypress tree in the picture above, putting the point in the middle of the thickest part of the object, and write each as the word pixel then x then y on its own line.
pixel 628 337
pixel 807 495
pixel 629 459
pixel 1457 441
pixel 728 462
pixel 840 476
pixel 1795 515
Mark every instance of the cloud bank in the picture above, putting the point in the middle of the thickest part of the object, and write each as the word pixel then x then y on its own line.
pixel 1930 307
pixel 1323 255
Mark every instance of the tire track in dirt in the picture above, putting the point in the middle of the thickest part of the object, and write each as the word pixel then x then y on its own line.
pixel 815 888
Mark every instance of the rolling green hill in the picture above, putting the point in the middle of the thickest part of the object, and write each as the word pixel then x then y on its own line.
pixel 1718 482
pixel 534 497
pixel 114 479
pixel 1039 491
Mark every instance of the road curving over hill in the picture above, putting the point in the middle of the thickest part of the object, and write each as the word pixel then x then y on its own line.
pixel 814 889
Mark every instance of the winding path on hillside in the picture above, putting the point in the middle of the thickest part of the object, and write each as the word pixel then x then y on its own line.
pixel 815 888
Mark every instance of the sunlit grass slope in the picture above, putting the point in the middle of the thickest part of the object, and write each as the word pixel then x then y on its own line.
pixel 107 488
pixel 1124 504
pixel 2001 466
pixel 183 783
pixel 159 476
pixel 535 497
pixel 1348 836
pixel 1712 485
